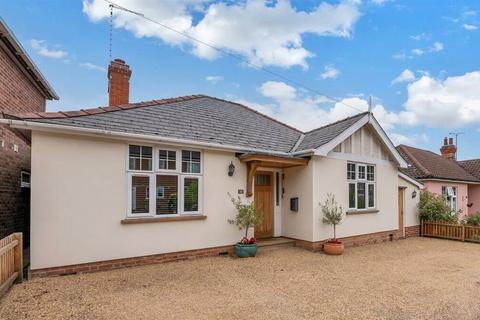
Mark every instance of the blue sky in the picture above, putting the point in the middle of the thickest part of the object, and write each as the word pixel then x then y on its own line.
pixel 417 59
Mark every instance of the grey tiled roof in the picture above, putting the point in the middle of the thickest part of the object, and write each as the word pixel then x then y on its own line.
pixel 198 118
pixel 318 137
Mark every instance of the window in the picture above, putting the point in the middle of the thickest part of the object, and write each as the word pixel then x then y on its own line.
pixel 167 203
pixel 140 158
pixel 190 194
pixel 361 186
pixel 168 189
pixel 25 179
pixel 167 160
pixel 190 161
pixel 140 194
pixel 351 173
pixel 450 195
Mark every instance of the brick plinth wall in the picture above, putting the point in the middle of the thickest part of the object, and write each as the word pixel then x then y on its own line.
pixel 413 231
pixel 354 241
pixel 131 262
pixel 17 95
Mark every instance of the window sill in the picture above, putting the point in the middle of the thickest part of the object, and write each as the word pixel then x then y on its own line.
pixel 352 212
pixel 163 219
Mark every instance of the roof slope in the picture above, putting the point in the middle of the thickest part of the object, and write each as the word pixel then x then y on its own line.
pixel 471 166
pixel 9 43
pixel 199 118
pixel 318 137
pixel 425 164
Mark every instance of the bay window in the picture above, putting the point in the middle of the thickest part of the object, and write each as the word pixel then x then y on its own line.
pixel 172 187
pixel 361 186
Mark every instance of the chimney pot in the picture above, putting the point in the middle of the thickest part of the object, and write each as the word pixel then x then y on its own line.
pixel 448 150
pixel 118 82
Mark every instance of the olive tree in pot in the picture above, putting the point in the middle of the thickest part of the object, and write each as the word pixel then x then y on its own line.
pixel 332 215
pixel 247 217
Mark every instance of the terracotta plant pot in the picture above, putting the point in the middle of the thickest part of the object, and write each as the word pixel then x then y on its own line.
pixel 333 248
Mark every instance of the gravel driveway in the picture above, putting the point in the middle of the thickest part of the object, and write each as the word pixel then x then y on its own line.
pixel 417 278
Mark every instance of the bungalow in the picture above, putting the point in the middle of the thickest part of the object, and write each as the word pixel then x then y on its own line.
pixel 457 181
pixel 136 183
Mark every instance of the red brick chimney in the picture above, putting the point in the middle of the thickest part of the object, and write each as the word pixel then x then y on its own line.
pixel 118 82
pixel 448 150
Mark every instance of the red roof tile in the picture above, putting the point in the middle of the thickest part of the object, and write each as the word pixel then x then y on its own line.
pixel 424 164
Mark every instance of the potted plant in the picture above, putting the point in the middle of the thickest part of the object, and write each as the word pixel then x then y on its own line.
pixel 332 215
pixel 247 217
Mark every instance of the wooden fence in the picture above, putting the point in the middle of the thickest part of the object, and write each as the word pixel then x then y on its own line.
pixel 11 261
pixel 450 231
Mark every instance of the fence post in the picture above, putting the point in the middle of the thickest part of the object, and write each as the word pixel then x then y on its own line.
pixel 463 232
pixel 421 228
pixel 18 256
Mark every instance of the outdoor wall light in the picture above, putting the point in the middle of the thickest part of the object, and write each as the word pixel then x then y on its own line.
pixel 231 169
pixel 414 194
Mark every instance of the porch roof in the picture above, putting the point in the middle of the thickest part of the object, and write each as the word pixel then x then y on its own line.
pixel 255 161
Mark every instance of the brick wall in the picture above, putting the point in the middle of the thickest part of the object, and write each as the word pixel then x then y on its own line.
pixel 17 95
pixel 354 241
pixel 413 231
pixel 131 262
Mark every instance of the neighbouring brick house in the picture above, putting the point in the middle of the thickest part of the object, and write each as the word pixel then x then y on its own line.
pixel 457 181
pixel 22 89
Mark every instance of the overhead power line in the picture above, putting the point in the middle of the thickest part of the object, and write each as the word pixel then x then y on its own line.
pixel 230 54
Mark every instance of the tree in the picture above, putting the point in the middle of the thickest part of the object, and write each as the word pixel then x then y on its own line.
pixel 433 207
pixel 247 214
pixel 332 213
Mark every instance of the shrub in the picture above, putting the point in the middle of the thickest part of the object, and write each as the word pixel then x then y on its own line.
pixel 433 207
pixel 473 220
pixel 332 213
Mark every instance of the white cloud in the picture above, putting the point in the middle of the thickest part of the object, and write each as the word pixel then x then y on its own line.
pixel 264 32
pixel 330 72
pixel 406 76
pixel 420 36
pixel 449 103
pixel 93 66
pixel 417 51
pixel 214 79
pixel 470 27
pixel 399 56
pixel 308 112
pixel 437 47
pixel 41 48
pixel 379 2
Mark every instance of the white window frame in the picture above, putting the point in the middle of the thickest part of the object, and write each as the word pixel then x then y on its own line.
pixel 25 184
pixel 152 174
pixel 449 197
pixel 157 162
pixel 151 194
pixel 366 182
pixel 200 194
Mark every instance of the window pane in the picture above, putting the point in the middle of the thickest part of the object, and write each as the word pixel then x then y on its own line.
pixel 351 171
pixel 262 180
pixel 351 195
pixel 140 187
pixel 167 160
pixel 361 172
pixel 190 196
pixel 371 173
pixel 190 161
pixel 371 195
pixel 361 204
pixel 140 158
pixel 167 190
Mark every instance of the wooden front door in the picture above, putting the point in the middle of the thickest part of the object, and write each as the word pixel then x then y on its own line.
pixel 264 200
pixel 401 192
